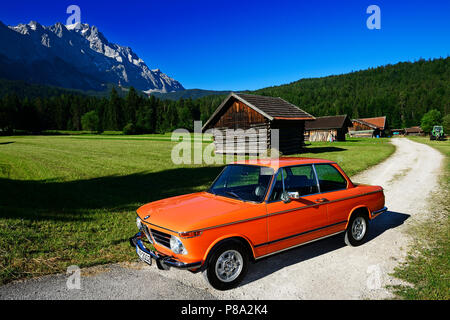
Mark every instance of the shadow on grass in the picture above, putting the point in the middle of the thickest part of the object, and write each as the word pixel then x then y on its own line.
pixel 277 262
pixel 322 149
pixel 76 200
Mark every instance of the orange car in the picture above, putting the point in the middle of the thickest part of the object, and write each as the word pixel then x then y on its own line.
pixel 252 210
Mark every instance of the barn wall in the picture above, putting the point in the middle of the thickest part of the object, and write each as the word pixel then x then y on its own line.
pixel 236 116
pixel 228 141
pixel 363 133
pixel 291 135
pixel 359 127
pixel 324 135
pixel 239 116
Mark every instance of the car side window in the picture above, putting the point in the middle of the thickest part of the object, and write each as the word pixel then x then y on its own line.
pixel 330 179
pixel 299 179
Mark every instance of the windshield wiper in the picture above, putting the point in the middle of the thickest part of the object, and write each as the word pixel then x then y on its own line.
pixel 235 195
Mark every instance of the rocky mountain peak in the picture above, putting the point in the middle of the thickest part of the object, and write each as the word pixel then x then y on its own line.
pixel 80 51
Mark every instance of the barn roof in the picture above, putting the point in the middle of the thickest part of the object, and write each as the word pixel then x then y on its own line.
pixel 416 129
pixel 378 122
pixel 329 122
pixel 276 108
pixel 270 107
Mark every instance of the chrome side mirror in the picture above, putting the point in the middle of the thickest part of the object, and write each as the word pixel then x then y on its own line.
pixel 294 195
pixel 289 196
pixel 285 197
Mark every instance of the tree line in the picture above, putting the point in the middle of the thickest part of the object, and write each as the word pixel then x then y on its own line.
pixel 134 113
pixel 403 92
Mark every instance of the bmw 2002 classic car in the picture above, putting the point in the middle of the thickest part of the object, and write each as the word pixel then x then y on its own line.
pixel 252 210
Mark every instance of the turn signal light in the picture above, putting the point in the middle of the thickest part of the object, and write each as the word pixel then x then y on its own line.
pixel 192 234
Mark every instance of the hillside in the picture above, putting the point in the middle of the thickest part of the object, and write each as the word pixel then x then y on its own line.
pixel 188 94
pixel 403 92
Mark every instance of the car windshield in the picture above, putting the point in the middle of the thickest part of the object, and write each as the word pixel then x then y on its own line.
pixel 243 182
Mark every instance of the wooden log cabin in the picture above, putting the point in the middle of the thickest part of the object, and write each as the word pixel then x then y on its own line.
pixel 369 127
pixel 261 114
pixel 327 128
pixel 414 131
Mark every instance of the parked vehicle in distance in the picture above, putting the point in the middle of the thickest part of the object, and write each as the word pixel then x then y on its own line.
pixel 255 209
pixel 437 133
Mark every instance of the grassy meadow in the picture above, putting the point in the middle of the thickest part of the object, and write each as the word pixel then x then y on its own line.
pixel 71 200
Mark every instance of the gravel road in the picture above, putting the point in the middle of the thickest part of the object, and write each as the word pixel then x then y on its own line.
pixel 322 270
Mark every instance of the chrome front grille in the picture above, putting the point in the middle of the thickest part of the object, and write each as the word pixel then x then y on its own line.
pixel 161 238
pixel 147 233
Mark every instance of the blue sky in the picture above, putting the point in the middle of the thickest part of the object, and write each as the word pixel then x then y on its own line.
pixel 237 45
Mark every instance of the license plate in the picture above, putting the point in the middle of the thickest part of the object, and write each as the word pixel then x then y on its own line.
pixel 144 256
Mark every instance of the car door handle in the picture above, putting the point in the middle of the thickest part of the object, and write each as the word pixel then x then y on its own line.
pixel 322 200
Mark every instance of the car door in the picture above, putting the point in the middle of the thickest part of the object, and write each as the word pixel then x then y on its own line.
pixel 298 220
pixel 334 191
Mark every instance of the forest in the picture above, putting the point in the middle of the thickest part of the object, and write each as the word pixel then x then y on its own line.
pixel 403 92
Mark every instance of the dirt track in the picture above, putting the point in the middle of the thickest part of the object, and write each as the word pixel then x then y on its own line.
pixel 322 270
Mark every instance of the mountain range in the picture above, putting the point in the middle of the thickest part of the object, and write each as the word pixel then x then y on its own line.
pixel 77 57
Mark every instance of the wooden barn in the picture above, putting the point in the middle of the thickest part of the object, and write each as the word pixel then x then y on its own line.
pixel 369 127
pixel 414 131
pixel 259 114
pixel 398 132
pixel 332 128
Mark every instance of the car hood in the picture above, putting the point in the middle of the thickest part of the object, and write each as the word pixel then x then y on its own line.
pixel 193 211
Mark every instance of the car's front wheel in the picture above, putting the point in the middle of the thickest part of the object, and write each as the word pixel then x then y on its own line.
pixel 227 266
pixel 357 230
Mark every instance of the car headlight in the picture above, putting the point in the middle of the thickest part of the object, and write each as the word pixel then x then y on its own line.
pixel 177 246
pixel 139 223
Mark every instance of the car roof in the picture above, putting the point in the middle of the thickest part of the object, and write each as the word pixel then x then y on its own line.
pixel 282 162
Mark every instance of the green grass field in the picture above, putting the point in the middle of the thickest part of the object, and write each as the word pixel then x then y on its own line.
pixel 427 266
pixel 71 200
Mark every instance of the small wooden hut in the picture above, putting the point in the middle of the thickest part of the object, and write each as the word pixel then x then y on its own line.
pixel 261 114
pixel 398 132
pixel 329 128
pixel 414 131
pixel 369 127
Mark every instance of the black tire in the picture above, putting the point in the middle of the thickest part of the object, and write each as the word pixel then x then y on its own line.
pixel 162 265
pixel 357 230
pixel 231 248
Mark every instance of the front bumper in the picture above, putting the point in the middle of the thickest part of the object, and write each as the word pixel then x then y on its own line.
pixel 136 242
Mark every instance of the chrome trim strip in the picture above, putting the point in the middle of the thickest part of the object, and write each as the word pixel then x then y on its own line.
pixel 266 215
pixel 282 180
pixel 227 224
pixel 272 186
pixel 299 234
pixel 317 178
pixel 155 225
pixel 298 245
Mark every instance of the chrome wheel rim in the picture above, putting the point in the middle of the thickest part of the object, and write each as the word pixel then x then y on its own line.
pixel 229 265
pixel 359 228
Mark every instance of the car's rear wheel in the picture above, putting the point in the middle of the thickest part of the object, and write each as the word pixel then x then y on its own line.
pixel 227 266
pixel 357 230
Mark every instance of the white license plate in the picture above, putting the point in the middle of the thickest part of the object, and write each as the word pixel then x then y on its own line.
pixel 144 256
